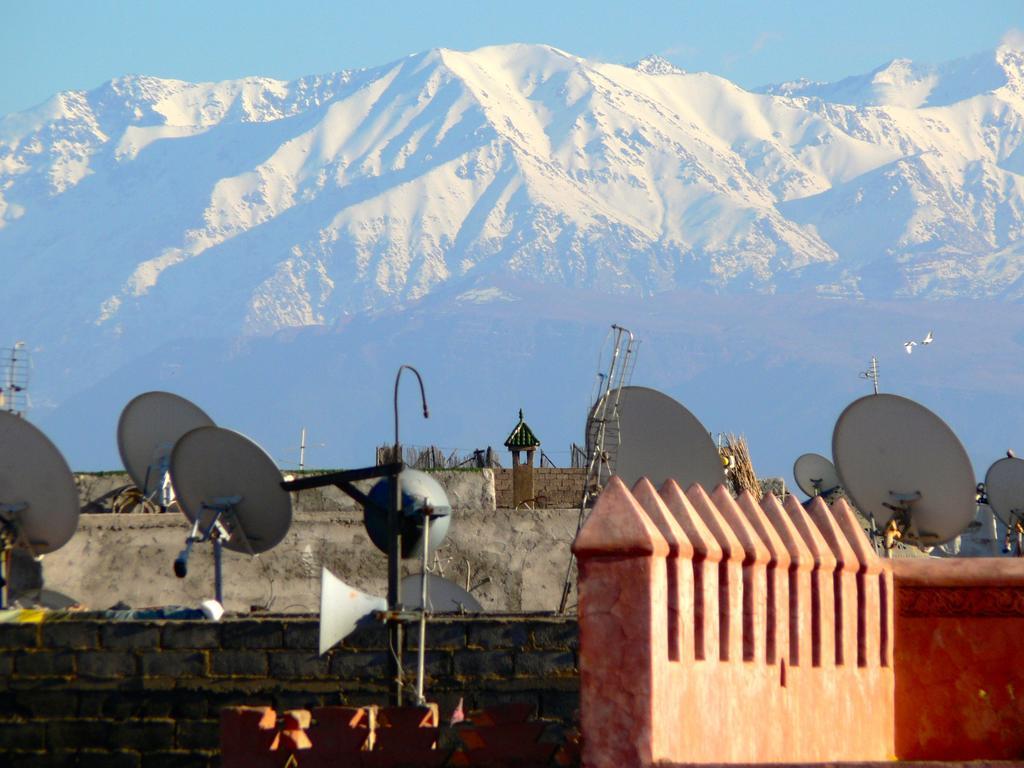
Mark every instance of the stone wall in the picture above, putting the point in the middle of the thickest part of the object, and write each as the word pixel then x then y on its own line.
pixel 555 488
pixel 90 691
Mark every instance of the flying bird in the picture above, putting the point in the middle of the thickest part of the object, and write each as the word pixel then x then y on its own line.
pixel 909 346
pixel 928 339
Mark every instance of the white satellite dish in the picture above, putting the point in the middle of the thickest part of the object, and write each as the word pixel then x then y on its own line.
pixel 230 490
pixel 38 496
pixel 902 464
pixel 147 430
pixel 443 596
pixel 659 439
pixel 342 609
pixel 815 475
pixel 1004 486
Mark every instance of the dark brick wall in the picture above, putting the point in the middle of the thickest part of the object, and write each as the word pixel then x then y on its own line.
pixel 89 691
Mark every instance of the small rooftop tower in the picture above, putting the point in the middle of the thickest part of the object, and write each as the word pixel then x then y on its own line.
pixel 522 439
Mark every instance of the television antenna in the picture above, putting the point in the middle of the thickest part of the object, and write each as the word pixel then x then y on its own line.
pixel 14 379
pixel 871 374
pixel 903 466
pixel 38 497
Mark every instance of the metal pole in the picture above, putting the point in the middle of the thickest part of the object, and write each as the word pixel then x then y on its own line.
pixel 395 634
pixel 218 577
pixel 394 575
pixel 421 651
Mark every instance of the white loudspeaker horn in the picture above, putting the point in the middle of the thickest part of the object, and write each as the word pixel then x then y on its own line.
pixel 342 609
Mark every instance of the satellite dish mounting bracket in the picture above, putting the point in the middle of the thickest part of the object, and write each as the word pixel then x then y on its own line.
pixel 902 515
pixel 10 536
pixel 215 532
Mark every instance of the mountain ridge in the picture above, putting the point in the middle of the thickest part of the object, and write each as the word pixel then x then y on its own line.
pixel 147 211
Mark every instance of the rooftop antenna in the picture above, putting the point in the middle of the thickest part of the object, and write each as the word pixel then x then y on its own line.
pixel 14 381
pixel 872 373
pixel 603 428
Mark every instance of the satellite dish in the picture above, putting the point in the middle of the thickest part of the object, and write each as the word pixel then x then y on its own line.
pixel 420 492
pixel 147 430
pixel 443 596
pixel 230 490
pixel 815 475
pixel 342 609
pixel 1004 486
pixel 659 439
pixel 38 496
pixel 902 464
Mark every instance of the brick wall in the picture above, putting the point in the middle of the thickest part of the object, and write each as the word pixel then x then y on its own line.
pixel 90 691
pixel 557 488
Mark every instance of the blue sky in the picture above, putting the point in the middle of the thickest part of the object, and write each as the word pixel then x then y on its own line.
pixel 48 46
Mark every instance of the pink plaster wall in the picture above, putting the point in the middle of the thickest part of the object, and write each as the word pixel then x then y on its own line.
pixel 958 659
pixel 715 629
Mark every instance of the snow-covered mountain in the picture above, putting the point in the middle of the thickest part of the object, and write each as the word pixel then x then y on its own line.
pixel 148 211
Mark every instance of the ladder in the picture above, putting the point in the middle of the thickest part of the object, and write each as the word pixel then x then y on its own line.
pixel 603 431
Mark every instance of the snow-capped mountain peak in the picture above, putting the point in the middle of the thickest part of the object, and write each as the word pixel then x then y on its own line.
pixel 656 65
pixel 904 83
pixel 255 205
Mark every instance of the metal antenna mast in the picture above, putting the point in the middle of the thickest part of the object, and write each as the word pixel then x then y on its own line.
pixel 14 380
pixel 872 373
pixel 603 431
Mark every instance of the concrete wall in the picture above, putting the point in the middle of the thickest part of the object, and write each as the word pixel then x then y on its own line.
pixel 514 561
pixel 86 691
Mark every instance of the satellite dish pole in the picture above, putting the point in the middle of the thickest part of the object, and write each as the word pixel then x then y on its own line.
pixel 395 550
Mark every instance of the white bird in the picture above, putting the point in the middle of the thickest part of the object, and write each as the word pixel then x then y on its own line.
pixel 928 339
pixel 909 346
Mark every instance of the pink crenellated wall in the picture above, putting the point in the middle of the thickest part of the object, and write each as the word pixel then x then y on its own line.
pixel 715 629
